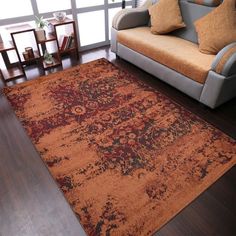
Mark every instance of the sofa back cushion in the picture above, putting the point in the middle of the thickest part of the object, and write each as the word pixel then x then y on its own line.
pixel 217 29
pixel 162 23
pixel 190 13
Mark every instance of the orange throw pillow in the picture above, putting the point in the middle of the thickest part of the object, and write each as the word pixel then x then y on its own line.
pixel 165 17
pixel 217 29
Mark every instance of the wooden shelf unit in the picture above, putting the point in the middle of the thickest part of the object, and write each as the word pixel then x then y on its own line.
pixel 12 73
pixel 16 70
pixel 50 37
pixel 13 70
pixel 53 36
pixel 67 21
pixel 37 57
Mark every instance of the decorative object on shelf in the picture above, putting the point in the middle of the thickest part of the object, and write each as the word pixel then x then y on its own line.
pixel 67 42
pixel 48 58
pixel 30 52
pixel 40 24
pixel 60 16
pixel 26 56
pixel 51 29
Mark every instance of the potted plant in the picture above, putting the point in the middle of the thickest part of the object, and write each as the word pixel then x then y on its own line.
pixel 48 58
pixel 40 24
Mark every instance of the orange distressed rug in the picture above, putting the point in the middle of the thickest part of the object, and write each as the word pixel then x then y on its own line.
pixel 126 157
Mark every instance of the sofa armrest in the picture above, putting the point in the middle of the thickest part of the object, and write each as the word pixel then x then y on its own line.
pixel 225 61
pixel 131 18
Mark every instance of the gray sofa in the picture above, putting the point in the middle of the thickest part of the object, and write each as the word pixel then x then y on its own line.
pixel 133 25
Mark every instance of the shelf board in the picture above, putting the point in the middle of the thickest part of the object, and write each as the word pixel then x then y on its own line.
pixel 19 28
pixel 36 57
pixel 54 22
pixel 6 46
pixel 56 62
pixel 49 37
pixel 68 50
pixel 12 73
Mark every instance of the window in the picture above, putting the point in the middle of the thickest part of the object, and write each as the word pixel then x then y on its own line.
pixel 13 8
pixel 53 5
pixel 115 1
pixel 88 3
pixel 91 27
pixel 94 17
pixel 139 3
pixel 112 13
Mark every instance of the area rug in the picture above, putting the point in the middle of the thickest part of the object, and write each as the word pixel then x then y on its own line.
pixel 126 157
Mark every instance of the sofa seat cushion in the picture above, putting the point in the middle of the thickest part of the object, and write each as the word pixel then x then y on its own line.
pixel 178 54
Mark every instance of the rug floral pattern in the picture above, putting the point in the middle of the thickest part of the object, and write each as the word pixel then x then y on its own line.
pixel 126 157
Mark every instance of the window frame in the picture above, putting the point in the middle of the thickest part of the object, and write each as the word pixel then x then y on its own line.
pixel 74 11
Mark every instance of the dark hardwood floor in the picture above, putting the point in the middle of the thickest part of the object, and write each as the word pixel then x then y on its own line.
pixel 32 204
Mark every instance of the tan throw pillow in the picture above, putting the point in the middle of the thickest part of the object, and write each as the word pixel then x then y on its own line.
pixel 165 16
pixel 217 29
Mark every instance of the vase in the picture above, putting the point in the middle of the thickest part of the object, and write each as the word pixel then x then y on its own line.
pixel 40 34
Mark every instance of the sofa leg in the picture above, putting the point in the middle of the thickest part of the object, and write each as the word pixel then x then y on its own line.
pixel 117 57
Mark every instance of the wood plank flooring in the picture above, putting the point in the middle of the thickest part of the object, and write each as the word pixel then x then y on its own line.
pixel 32 204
